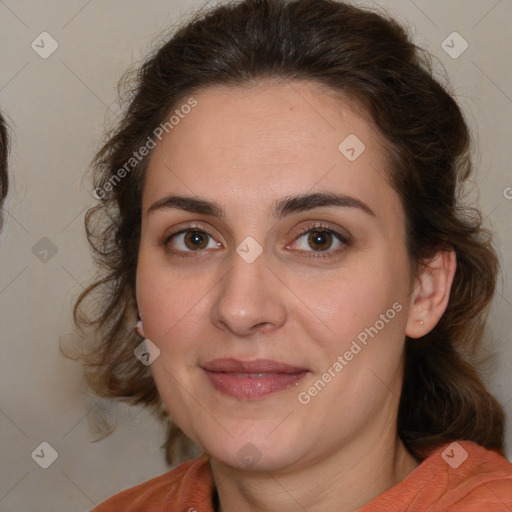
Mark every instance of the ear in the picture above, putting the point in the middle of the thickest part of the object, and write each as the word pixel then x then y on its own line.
pixel 140 329
pixel 431 294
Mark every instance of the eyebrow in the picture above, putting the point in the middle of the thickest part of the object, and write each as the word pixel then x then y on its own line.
pixel 282 208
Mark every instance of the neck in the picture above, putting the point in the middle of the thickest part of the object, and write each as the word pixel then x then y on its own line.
pixel 343 481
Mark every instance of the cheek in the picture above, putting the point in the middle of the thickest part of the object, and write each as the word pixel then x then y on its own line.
pixel 350 300
pixel 169 300
pixel 155 297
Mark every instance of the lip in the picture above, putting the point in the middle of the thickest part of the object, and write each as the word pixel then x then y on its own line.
pixel 251 379
pixel 257 366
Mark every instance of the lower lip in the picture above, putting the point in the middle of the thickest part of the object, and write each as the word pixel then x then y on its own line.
pixel 240 385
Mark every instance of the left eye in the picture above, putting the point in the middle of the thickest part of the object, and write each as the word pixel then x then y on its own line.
pixel 320 240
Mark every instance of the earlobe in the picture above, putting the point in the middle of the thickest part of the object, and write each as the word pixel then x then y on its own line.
pixel 431 294
pixel 140 329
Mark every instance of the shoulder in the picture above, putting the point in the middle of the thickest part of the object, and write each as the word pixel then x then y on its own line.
pixel 457 477
pixel 476 478
pixel 190 484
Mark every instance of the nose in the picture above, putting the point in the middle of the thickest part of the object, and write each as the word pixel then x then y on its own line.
pixel 250 298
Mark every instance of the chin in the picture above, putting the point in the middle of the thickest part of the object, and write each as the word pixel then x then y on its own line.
pixel 246 452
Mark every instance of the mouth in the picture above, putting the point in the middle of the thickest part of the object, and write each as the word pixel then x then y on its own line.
pixel 251 379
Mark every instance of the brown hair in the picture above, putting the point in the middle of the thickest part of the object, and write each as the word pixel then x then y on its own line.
pixel 4 153
pixel 370 58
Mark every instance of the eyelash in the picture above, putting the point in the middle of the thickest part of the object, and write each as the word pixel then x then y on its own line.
pixel 314 254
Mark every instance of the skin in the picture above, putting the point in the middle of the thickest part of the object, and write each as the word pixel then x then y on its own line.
pixel 246 148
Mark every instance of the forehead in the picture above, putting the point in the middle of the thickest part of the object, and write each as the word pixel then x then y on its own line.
pixel 263 141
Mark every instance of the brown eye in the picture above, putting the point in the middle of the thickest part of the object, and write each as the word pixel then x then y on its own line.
pixel 190 240
pixel 196 239
pixel 320 240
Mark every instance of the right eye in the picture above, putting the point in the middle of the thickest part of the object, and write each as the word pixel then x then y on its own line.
pixel 190 240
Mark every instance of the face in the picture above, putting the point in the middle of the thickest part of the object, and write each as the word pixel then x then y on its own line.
pixel 280 321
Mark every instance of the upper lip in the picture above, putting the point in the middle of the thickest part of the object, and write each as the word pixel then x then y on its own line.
pixel 255 366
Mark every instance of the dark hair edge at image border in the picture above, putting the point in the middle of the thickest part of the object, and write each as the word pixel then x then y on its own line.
pixel 4 156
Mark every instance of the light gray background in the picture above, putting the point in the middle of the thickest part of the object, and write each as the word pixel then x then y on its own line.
pixel 57 108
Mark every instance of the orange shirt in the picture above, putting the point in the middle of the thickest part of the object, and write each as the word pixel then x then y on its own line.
pixel 458 477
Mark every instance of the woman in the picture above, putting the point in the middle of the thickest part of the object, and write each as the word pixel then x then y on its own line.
pixel 284 230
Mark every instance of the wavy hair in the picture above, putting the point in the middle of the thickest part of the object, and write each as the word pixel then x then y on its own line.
pixel 370 58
